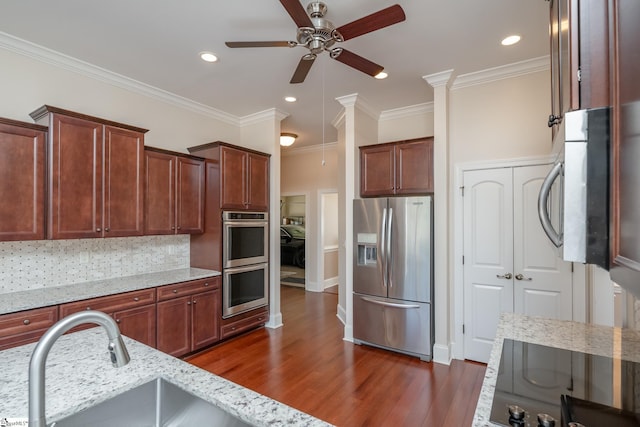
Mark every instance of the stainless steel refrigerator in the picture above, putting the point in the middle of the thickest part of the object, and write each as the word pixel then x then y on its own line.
pixel 393 274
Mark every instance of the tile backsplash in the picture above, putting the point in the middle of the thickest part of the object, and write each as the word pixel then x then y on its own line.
pixel 48 263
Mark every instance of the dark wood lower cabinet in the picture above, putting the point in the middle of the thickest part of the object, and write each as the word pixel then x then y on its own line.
pixel 244 322
pixel 205 314
pixel 26 326
pixel 173 326
pixel 138 324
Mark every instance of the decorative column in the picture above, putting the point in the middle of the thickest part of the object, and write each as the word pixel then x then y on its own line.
pixel 443 286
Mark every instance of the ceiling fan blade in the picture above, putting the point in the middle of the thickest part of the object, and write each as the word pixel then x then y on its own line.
pixel 297 13
pixel 260 44
pixel 303 68
pixel 356 61
pixel 383 18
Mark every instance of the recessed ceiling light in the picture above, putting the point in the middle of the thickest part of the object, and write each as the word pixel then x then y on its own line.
pixel 381 75
pixel 208 56
pixel 508 41
pixel 290 98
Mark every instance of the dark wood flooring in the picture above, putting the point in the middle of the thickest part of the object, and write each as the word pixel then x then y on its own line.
pixel 307 365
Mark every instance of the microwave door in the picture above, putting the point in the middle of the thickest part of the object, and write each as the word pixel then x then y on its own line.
pixel 544 211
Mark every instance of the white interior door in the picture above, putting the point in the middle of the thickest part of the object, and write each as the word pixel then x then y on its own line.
pixel 543 283
pixel 509 264
pixel 488 256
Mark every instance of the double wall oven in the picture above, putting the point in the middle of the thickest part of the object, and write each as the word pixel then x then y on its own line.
pixel 245 261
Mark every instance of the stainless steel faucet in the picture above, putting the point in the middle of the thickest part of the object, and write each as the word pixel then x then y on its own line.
pixel 117 350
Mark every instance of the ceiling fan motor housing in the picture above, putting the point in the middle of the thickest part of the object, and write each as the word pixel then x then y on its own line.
pixel 323 35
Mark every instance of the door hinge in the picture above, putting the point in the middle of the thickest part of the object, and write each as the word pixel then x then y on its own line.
pixel 462 259
pixel 572 267
pixel 462 190
pixel 463 328
pixel 579 74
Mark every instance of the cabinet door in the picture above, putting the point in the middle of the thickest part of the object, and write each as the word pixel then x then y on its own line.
pixel 75 194
pixel 258 182
pixel 123 193
pixel 190 192
pixel 233 178
pixel 414 167
pixel 174 326
pixel 625 244
pixel 377 170
pixel 138 324
pixel 22 152
pixel 160 206
pixel 205 314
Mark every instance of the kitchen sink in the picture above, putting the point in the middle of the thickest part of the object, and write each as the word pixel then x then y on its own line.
pixel 157 403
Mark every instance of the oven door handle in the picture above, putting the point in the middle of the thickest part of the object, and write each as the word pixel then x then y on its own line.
pixel 247 223
pixel 246 268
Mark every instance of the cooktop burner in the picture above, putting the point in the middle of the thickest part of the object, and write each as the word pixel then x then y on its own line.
pixel 545 386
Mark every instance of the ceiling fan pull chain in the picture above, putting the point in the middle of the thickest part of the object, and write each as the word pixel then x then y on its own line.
pixel 323 67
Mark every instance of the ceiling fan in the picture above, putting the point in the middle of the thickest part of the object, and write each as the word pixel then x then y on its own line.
pixel 318 34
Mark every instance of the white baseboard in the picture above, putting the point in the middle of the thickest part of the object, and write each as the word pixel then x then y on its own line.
pixel 275 321
pixel 332 281
pixel 341 314
pixel 442 354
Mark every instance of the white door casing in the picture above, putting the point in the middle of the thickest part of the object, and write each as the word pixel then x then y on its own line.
pixel 509 264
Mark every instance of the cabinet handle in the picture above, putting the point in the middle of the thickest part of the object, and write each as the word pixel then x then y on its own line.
pixel 554 120
pixel 98 229
pixel 26 321
pixel 136 299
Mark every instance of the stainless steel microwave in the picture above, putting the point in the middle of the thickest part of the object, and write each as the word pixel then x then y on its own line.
pixel 580 228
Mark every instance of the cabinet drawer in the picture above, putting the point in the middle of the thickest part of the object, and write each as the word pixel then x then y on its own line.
pixel 244 324
pixel 188 288
pixel 27 321
pixel 111 303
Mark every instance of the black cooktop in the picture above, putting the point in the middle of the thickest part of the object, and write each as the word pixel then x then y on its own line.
pixel 546 386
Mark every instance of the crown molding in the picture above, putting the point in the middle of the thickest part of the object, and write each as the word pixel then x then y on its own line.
pixel 409 111
pixel 357 101
pixel 261 116
pixel 489 75
pixel 52 57
pixel 439 79
pixel 328 146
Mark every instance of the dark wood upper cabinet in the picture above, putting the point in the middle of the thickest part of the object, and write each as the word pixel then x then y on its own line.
pixel 243 175
pixel 22 180
pixel 625 226
pixel 174 192
pixel 94 177
pixel 579 47
pixel 397 168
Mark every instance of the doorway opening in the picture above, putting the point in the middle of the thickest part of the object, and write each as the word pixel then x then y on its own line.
pixel 293 240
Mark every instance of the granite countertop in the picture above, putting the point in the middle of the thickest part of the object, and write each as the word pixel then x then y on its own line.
pixel 35 298
pixel 79 375
pixel 592 339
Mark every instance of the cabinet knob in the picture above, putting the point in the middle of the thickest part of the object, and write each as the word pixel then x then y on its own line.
pixel 136 299
pixel 88 308
pixel 106 229
pixel 26 321
pixel 98 229
pixel 178 227
pixel 188 302
pixel 117 320
pixel 173 228
pixel 195 301
pixel 206 283
pixel 260 318
pixel 175 291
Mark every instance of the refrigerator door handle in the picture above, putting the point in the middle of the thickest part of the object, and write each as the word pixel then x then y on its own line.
pixel 390 304
pixel 389 251
pixel 383 257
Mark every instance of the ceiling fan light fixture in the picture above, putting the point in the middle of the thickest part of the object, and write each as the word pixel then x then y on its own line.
pixel 287 139
pixel 208 57
pixel 511 40
pixel 381 75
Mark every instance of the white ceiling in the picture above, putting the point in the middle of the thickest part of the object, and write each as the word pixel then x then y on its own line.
pixel 157 42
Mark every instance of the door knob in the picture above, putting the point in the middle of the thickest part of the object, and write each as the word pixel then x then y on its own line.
pixel 521 277
pixel 504 276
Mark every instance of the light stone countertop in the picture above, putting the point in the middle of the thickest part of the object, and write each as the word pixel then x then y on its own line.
pixel 79 375
pixel 574 336
pixel 34 298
